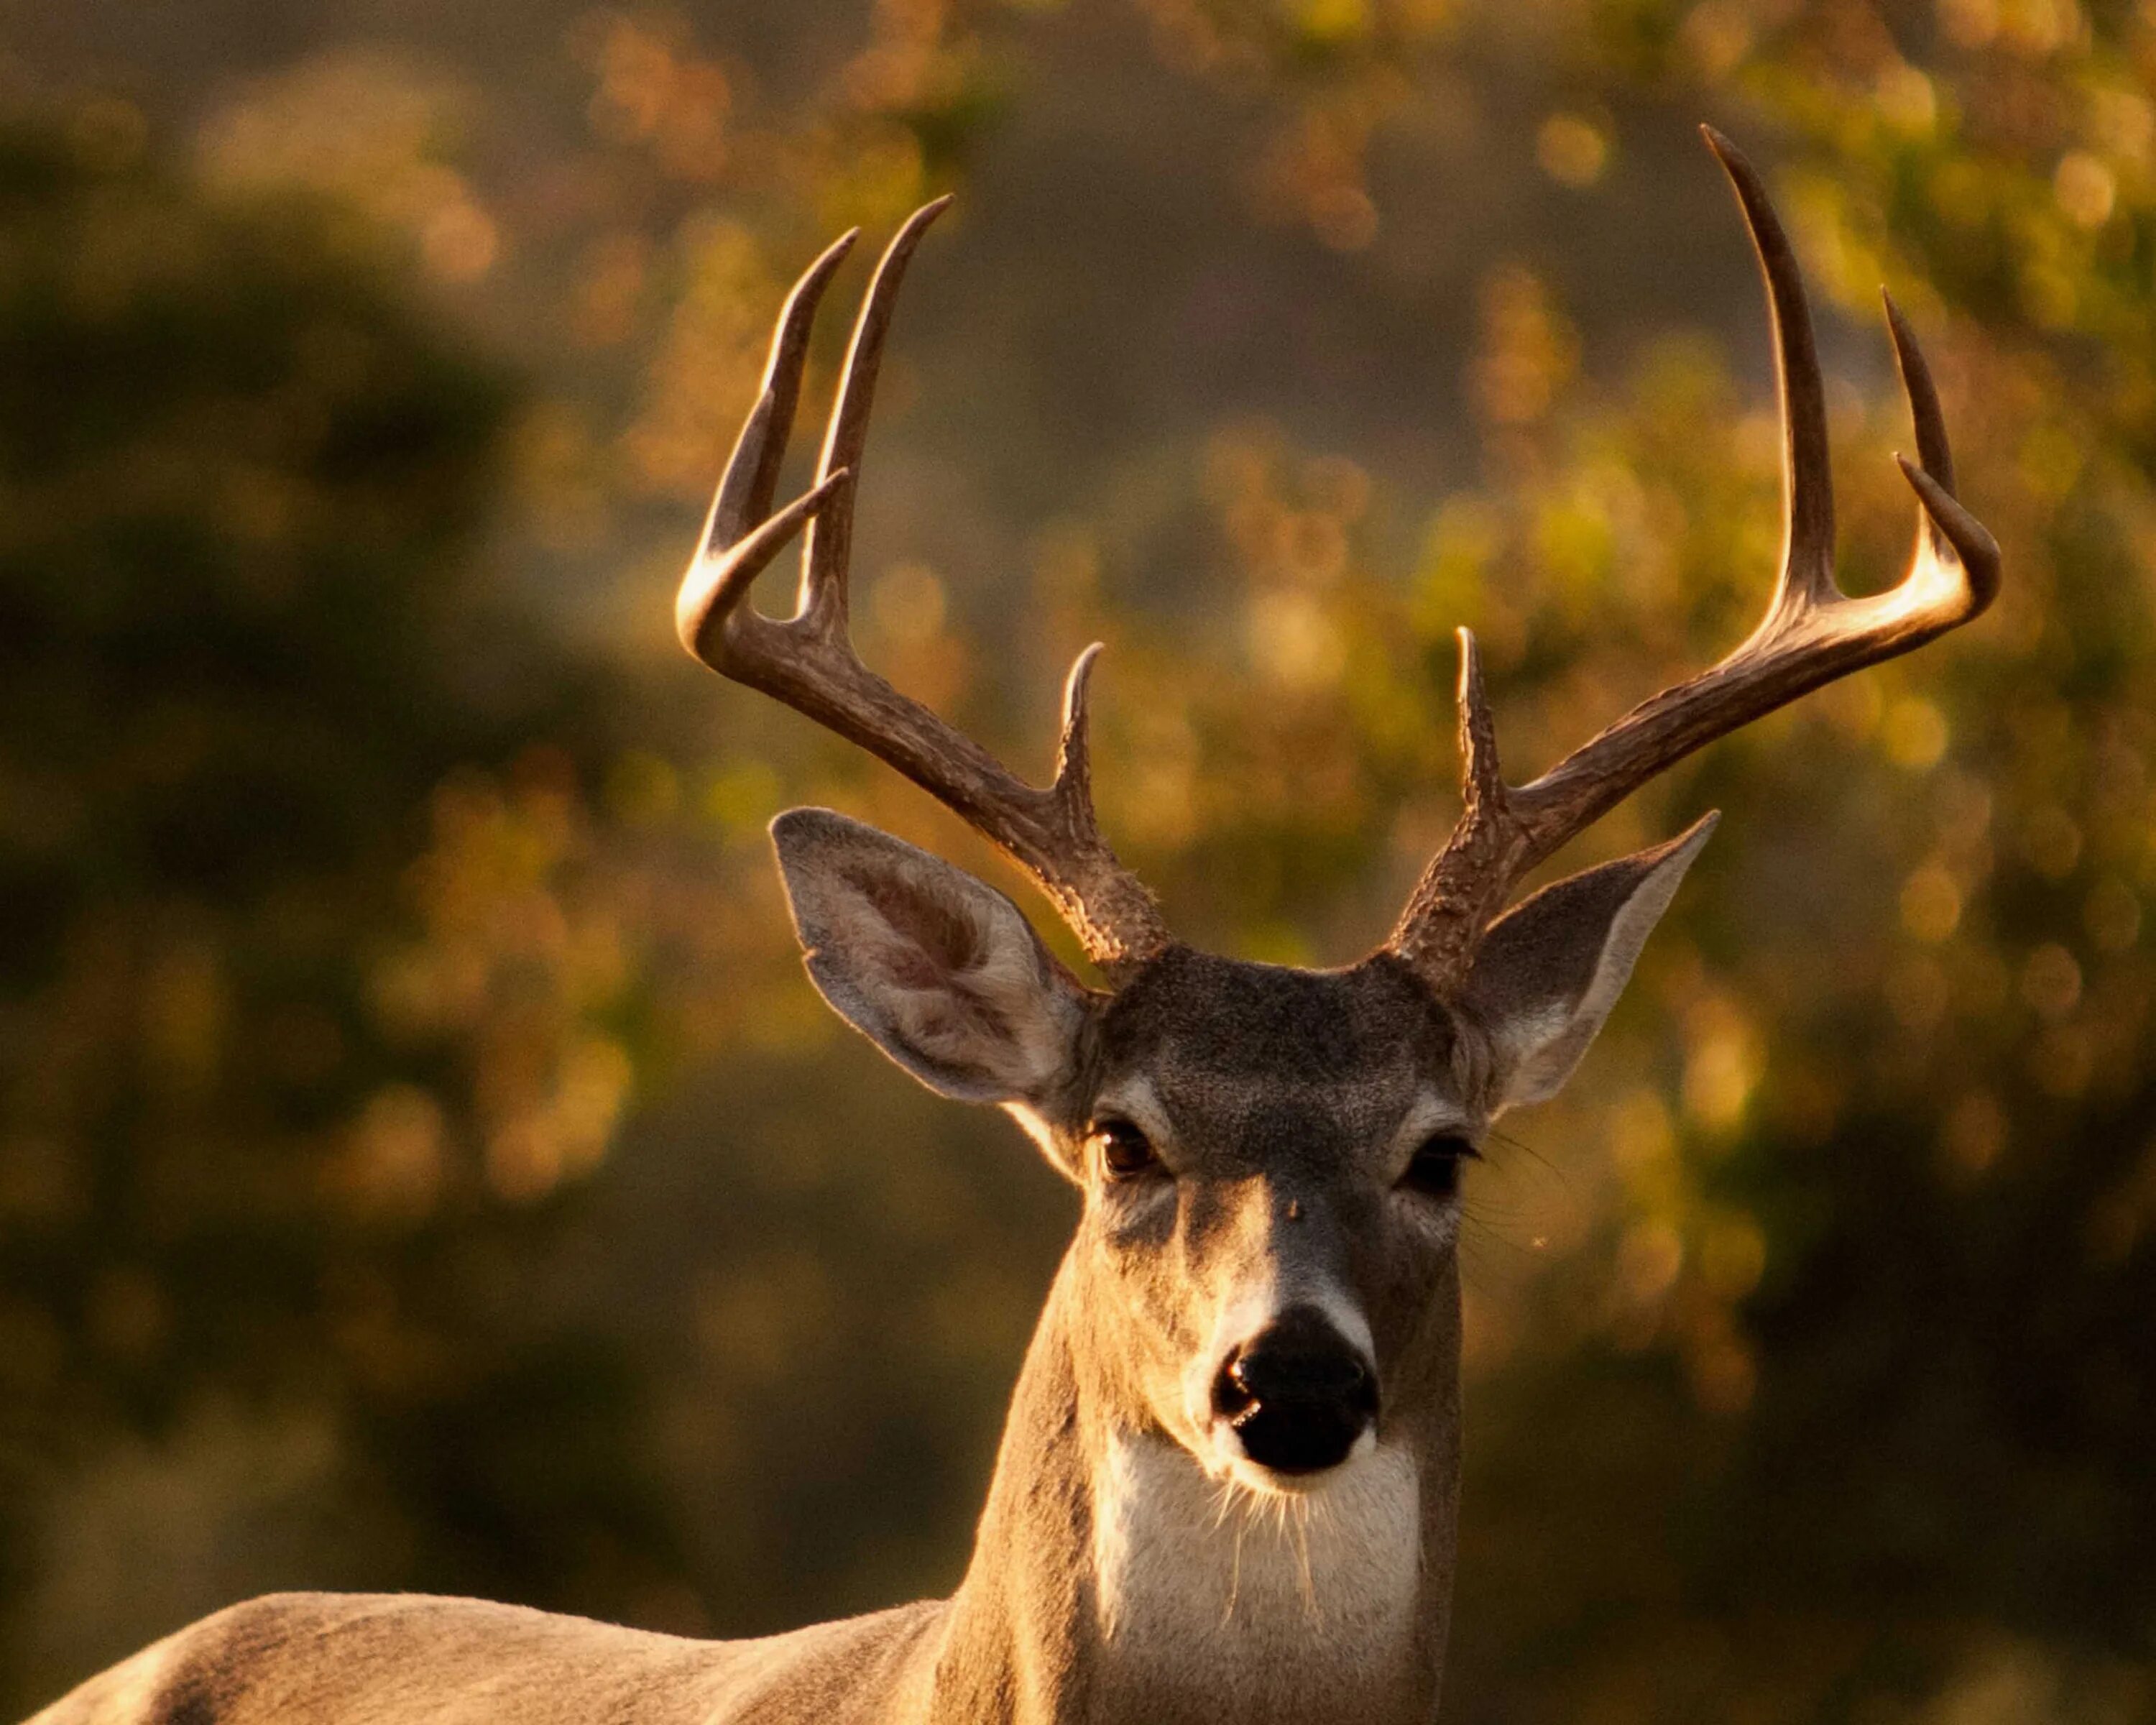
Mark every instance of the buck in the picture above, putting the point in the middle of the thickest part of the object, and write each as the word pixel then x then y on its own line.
pixel 1228 1485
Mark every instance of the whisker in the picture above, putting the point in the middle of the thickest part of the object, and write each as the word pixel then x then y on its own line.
pixel 1235 1572
pixel 1301 1524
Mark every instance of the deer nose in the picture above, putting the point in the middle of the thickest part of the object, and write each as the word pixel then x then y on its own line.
pixel 1298 1394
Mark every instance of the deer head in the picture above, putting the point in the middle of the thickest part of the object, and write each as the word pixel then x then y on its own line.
pixel 1271 1158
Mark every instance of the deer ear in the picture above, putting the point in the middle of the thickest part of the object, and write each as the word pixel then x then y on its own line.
pixel 1549 970
pixel 941 972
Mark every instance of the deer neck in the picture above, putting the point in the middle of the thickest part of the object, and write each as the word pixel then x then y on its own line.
pixel 1113 1580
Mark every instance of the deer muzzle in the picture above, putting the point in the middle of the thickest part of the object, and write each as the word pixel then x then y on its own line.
pixel 1298 1396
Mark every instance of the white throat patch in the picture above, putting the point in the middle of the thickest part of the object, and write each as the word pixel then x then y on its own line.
pixel 1264 1604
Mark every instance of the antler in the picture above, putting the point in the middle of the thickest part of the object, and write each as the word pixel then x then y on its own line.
pixel 1810 635
pixel 808 661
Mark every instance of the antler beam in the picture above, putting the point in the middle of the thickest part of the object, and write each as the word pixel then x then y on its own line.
pixel 1811 634
pixel 808 660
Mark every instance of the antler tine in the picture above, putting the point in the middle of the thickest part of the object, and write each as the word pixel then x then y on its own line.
pixel 1466 880
pixel 1947 533
pixel 828 544
pixel 729 556
pixel 1074 748
pixel 808 660
pixel 1811 634
pixel 1807 576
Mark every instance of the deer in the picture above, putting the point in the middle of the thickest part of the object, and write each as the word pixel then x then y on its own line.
pixel 1227 1484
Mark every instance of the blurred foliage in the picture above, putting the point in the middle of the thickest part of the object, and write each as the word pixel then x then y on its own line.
pixel 420 1161
pixel 275 1035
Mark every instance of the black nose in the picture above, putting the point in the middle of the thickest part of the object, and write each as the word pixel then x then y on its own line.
pixel 1297 1393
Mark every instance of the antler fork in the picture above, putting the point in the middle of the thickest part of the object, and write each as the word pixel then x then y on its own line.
pixel 808 660
pixel 1811 634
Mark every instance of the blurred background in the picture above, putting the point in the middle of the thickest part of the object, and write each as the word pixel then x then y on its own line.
pixel 422 1163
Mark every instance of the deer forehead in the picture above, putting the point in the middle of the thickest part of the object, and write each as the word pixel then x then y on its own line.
pixel 1264 1061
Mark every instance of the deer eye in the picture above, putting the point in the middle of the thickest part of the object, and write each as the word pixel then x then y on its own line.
pixel 1125 1151
pixel 1433 1170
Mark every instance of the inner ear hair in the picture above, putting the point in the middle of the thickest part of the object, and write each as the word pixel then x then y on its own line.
pixel 939 970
